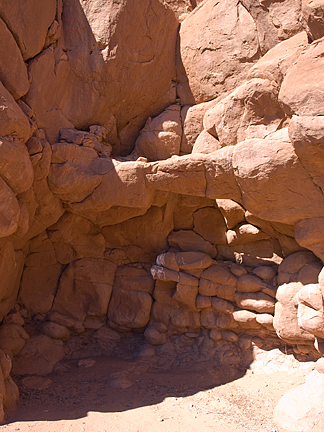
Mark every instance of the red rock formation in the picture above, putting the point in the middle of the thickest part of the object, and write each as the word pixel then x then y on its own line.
pixel 172 190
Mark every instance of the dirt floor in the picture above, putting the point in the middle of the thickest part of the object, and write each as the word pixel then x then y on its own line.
pixel 101 394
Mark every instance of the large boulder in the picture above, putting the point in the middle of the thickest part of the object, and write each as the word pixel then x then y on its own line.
pixel 161 137
pixel 298 94
pixel 220 40
pixel 271 169
pixel 250 111
pixel 276 62
pixel 229 32
pixel 85 288
pixel 285 318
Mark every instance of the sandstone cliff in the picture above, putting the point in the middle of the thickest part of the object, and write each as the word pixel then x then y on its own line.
pixel 161 177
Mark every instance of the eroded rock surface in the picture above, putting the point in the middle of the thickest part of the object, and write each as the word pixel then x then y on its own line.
pixel 160 199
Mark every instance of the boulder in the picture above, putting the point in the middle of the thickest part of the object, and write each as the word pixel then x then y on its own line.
pixel 250 111
pixel 222 305
pixel 311 310
pixel 15 166
pixel 39 356
pixel 85 288
pixel 185 208
pixel 276 62
pixel 213 319
pixel 209 288
pixel 232 212
pixel 54 330
pixel 186 294
pixel 13 71
pixel 192 124
pixel 154 337
pixel 164 274
pixel 161 136
pixel 138 231
pixel 264 272
pixel 132 278
pixel 129 309
pixel 285 318
pixel 11 397
pixel 229 336
pixel 121 184
pixel 175 316
pixel 221 182
pixel 203 302
pixel 249 283
pixel 246 318
pixel 5 364
pixel 72 182
pixel 265 320
pixel 75 237
pixel 274 22
pixel 258 302
pixel 38 15
pixel 168 260
pixel 210 224
pixel 204 51
pixel 297 94
pixel 292 265
pixel 308 233
pixel 309 273
pixel 193 261
pixel 271 169
pixel 206 143
pixel 38 287
pixel 219 274
pixel 184 175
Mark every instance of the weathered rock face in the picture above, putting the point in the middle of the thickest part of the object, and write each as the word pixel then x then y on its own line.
pixel 110 78
pixel 171 194
pixel 216 60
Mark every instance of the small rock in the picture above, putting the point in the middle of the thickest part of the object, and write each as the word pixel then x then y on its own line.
pixel 264 272
pixel 86 363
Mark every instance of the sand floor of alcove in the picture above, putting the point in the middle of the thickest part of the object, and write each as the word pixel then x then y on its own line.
pixel 118 395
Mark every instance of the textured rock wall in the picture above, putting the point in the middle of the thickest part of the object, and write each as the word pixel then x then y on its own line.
pixel 161 188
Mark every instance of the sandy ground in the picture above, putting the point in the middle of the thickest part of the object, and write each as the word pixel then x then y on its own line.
pixel 106 394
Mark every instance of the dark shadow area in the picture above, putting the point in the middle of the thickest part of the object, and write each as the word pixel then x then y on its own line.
pixel 113 385
pixel 110 384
